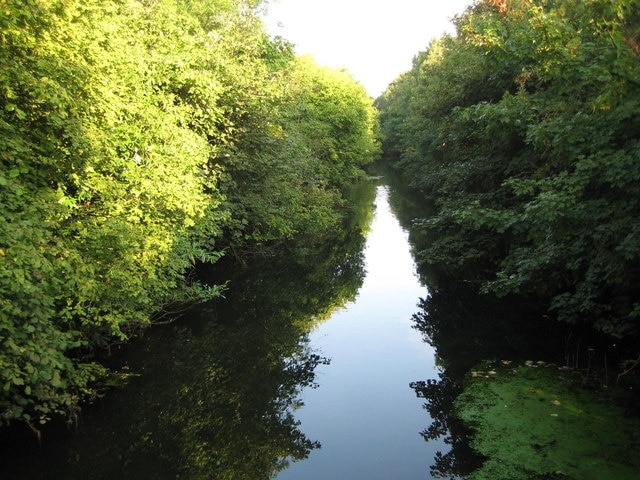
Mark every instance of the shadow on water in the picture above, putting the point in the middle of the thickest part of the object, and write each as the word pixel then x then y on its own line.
pixel 515 336
pixel 465 328
pixel 211 396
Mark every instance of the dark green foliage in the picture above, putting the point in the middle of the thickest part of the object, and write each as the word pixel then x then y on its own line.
pixel 523 132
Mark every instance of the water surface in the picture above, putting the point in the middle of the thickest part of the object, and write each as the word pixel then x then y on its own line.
pixel 364 414
pixel 215 395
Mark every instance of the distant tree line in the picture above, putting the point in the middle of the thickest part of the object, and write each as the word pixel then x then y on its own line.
pixel 522 133
pixel 139 138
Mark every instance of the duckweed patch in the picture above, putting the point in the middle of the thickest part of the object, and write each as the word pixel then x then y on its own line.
pixel 533 421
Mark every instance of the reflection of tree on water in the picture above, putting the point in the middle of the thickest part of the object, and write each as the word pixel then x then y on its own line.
pixel 216 391
pixel 439 396
pixel 224 406
pixel 466 328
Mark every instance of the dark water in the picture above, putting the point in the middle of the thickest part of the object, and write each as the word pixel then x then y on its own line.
pixel 321 362
pixel 219 393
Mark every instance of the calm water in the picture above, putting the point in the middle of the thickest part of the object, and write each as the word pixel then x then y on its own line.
pixel 217 395
pixel 364 413
pixel 319 363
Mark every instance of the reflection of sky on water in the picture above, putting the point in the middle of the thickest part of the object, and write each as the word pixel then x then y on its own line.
pixel 390 267
pixel 364 413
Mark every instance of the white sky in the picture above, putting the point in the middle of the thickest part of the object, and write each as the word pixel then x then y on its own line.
pixel 374 40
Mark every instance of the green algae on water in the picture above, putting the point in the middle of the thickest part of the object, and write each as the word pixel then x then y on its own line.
pixel 535 422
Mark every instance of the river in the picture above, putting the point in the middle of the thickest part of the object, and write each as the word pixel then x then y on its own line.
pixel 364 413
pixel 219 393
pixel 327 358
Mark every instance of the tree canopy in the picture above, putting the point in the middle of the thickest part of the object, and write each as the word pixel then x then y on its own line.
pixel 522 132
pixel 140 138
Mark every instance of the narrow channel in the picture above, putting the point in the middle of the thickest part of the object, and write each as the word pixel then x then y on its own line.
pixel 363 413
pixel 210 395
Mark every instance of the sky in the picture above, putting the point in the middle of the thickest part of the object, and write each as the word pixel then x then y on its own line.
pixel 375 40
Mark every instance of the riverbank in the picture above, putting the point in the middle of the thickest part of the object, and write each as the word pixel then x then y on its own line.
pixel 467 327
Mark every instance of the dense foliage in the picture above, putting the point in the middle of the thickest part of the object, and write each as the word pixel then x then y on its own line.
pixel 138 138
pixel 523 133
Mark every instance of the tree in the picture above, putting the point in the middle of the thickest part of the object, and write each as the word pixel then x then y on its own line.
pixel 140 139
pixel 299 145
pixel 522 130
